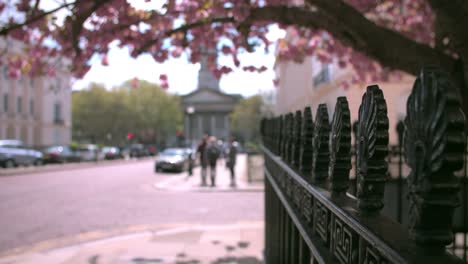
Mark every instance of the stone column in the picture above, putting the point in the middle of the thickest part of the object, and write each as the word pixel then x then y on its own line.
pixel 200 127
pixel 213 125
pixel 226 126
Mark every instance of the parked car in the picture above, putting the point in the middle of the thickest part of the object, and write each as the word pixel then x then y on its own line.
pixel 111 153
pixel 13 153
pixel 61 154
pixel 173 159
pixel 88 152
pixel 137 151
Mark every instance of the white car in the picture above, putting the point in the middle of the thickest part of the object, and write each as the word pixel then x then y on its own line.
pixel 13 153
pixel 89 153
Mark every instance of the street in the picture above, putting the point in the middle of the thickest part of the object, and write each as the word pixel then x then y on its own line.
pixel 49 205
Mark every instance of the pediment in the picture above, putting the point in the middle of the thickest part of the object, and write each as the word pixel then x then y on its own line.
pixel 208 96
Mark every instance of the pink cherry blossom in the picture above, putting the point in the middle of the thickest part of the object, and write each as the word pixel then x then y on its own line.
pixel 163 77
pixel 162 39
pixel 105 61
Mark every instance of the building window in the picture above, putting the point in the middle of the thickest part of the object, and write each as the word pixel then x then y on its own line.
pixel 5 103
pixel 19 104
pixel 58 113
pixel 31 107
pixel 323 76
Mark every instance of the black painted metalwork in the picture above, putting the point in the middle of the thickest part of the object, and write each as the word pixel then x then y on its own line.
pixel 282 137
pixel 321 151
pixel 310 221
pixel 434 144
pixel 372 150
pixel 340 147
pixel 306 144
pixel 307 222
pixel 297 132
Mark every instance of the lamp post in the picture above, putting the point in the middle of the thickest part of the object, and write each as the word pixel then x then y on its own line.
pixel 190 110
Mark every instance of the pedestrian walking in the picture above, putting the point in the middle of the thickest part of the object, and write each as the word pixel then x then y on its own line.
pixel 212 155
pixel 231 160
pixel 190 166
pixel 201 150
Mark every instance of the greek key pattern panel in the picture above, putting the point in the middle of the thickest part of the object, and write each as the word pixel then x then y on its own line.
pixel 297 194
pixel 345 242
pixel 371 256
pixel 321 217
pixel 307 207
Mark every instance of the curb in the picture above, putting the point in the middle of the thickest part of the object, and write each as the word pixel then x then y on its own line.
pixel 159 187
pixel 84 238
pixel 70 166
pixel 102 237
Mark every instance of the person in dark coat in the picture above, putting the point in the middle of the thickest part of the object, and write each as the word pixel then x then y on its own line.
pixel 231 160
pixel 212 154
pixel 201 150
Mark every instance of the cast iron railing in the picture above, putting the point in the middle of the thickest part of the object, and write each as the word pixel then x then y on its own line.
pixel 310 215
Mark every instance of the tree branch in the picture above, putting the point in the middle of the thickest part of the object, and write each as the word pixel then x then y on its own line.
pixel 78 23
pixel 363 35
pixel 7 29
pixel 184 29
pixel 452 21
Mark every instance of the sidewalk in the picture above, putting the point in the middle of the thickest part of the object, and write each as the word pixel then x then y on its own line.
pixel 236 243
pixel 223 180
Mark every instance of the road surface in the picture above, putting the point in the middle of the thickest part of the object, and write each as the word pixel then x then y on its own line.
pixel 51 205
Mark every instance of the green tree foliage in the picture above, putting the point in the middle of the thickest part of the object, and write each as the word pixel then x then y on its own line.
pixel 107 116
pixel 245 119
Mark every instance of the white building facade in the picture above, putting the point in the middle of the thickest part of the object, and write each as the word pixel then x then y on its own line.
pixel 311 83
pixel 35 110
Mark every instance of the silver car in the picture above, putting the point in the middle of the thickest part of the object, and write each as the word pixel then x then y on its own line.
pixel 175 159
pixel 13 153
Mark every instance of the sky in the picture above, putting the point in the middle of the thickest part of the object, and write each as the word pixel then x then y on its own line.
pixel 182 75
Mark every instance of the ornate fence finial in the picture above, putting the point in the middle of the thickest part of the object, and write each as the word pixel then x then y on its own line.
pixel 288 135
pixel 434 142
pixel 262 128
pixel 372 149
pixel 277 135
pixel 306 143
pixel 340 147
pixel 321 152
pixel 285 137
pixel 296 149
pixel 281 136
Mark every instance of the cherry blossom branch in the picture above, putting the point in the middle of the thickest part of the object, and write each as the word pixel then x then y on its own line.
pixel 7 29
pixel 78 23
pixel 361 34
pixel 184 29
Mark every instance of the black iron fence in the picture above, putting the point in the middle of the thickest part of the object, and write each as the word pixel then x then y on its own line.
pixel 403 203
pixel 396 197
